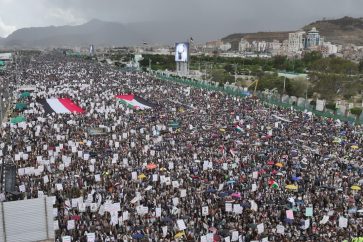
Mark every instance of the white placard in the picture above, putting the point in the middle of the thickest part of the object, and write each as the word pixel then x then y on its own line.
pixel 343 222
pixel 280 229
pixel 22 188
pixel 183 193
pixel 157 212
pixel 66 239
pixel 134 175
pixel 91 237
pixel 71 224
pixel 260 228
pixel 59 186
pixel 237 209
pixel 97 177
pixel 324 220
pixel 181 224
pixel 56 225
pixel 228 207
pixel 205 211
pixel 234 236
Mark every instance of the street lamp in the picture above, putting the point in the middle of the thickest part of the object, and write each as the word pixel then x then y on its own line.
pixel 306 92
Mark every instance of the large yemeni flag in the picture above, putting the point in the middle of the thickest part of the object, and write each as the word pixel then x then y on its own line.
pixel 135 101
pixel 60 105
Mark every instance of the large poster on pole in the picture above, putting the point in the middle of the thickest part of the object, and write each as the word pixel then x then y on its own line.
pixel 182 52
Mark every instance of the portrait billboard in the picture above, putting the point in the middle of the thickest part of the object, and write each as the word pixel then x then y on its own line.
pixel 181 52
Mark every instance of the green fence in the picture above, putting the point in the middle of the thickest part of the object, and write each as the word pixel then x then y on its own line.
pixel 267 100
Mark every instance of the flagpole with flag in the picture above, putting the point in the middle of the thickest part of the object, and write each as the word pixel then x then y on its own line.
pixel 238 128
pixel 190 47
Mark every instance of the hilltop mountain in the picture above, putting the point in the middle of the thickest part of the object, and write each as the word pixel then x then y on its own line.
pixel 95 32
pixel 101 33
pixel 343 31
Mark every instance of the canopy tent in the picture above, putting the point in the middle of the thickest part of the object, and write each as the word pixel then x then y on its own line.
pixel 17 120
pixel 25 94
pixel 20 106
pixel 174 124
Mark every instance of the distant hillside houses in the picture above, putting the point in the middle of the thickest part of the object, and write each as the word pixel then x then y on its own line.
pixel 297 43
pixel 294 46
pixel 217 45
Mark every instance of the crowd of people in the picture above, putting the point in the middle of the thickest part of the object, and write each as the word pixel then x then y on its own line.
pixel 197 166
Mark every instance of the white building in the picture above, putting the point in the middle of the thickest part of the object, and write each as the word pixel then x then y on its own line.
pixel 225 47
pixel 330 48
pixel 243 45
pixel 214 45
pixel 296 42
pixel 274 45
pixel 261 46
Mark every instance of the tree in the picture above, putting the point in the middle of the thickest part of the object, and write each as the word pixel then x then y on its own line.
pixel 332 106
pixel 311 57
pixel 360 67
pixel 298 87
pixel 279 62
pixel 229 68
pixel 220 75
pixel 356 112
pixel 273 81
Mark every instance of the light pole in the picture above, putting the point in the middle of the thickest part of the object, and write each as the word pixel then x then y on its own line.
pixel 283 91
pixel 235 73
pixel 306 95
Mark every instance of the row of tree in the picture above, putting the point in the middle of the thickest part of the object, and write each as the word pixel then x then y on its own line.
pixel 312 62
pixel 330 77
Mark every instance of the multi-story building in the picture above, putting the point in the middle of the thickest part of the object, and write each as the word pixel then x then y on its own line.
pixel 243 45
pixel 214 45
pixel 259 46
pixel 313 38
pixel 225 47
pixel 274 45
pixel 296 41
pixel 329 49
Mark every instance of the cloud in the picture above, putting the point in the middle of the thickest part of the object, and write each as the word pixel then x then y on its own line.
pixel 5 29
pixel 209 18
pixel 64 16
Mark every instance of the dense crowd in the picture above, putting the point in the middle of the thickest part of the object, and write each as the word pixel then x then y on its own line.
pixel 198 166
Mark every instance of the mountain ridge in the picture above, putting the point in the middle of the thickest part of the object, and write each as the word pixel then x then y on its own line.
pixel 96 32
pixel 346 30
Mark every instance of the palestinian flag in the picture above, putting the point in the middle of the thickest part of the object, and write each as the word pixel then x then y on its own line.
pixel 60 105
pixel 238 128
pixel 134 101
pixel 273 184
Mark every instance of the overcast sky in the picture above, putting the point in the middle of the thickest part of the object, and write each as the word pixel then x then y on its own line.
pixel 219 16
